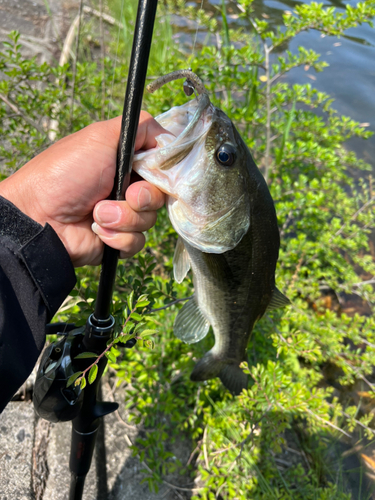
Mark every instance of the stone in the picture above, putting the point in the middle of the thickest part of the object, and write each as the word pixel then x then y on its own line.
pixel 115 474
pixel 58 481
pixel 16 443
pixel 40 31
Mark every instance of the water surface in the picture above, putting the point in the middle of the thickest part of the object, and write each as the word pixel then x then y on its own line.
pixel 350 77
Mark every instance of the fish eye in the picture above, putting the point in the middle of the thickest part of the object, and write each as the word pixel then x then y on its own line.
pixel 226 155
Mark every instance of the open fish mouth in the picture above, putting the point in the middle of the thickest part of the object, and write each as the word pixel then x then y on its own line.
pixel 188 125
pixel 207 199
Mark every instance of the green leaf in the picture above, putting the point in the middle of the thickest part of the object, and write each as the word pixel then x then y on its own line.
pixel 146 333
pixel 136 316
pixel 85 355
pixel 150 268
pixel 92 374
pixel 111 356
pixel 149 343
pixel 285 136
pixel 142 304
pixel 125 338
pixel 72 378
pixel 130 300
pixel 83 383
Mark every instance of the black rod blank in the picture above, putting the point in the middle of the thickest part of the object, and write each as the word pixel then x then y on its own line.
pixel 130 117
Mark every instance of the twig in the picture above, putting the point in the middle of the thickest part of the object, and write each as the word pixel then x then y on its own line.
pixel 75 61
pixel 363 283
pixel 171 304
pixel 285 225
pixel 56 31
pixel 360 375
pixel 129 443
pixel 327 422
pixel 67 52
pixel 197 400
pixel 193 453
pixel 16 110
pixel 268 110
pixel 64 57
pixel 354 216
pixel 102 50
pixel 109 346
pixel 173 486
pixel 282 462
pixel 69 304
pixel 355 420
pixel 293 451
pixel 205 449
pixel 367 342
pixel 108 19
pixel 117 413
pixel 252 432
pixel 178 494
pixel 295 274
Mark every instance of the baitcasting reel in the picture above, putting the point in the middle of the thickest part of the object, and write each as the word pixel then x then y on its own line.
pixel 54 401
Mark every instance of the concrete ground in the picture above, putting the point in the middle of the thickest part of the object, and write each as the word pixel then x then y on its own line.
pixel 34 459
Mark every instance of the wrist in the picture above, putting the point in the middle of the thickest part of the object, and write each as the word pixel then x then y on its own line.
pixel 12 190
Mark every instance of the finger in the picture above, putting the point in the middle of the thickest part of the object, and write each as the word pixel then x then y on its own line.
pixel 143 196
pixel 128 243
pixel 148 129
pixel 107 133
pixel 119 216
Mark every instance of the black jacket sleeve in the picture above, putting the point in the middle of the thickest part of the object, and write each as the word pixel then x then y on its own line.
pixel 36 274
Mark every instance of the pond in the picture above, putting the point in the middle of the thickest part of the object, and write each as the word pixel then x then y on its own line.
pixel 350 77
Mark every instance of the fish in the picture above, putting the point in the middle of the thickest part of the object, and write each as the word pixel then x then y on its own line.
pixel 220 206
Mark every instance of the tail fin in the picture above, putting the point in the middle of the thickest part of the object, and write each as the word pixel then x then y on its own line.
pixel 234 379
pixel 230 374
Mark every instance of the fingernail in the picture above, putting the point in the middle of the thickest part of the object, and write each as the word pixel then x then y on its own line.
pixel 101 231
pixel 95 228
pixel 107 213
pixel 144 198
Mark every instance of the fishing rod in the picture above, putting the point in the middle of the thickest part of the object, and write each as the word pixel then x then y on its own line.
pixel 53 400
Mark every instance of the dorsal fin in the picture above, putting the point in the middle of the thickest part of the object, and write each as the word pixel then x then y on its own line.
pixel 190 325
pixel 181 262
pixel 278 299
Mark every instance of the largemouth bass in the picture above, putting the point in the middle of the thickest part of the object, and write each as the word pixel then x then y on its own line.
pixel 220 206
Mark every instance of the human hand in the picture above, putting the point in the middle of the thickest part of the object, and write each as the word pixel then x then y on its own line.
pixel 65 186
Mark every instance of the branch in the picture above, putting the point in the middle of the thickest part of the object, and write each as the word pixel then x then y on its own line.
pixel 354 216
pixel 268 110
pixel 75 61
pixel 327 422
pixel 67 52
pixel 16 110
pixel 254 425
pixel 108 19
pixel 102 53
pixel 171 304
pixel 355 420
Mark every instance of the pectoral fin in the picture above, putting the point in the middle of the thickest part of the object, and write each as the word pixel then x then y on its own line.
pixel 190 325
pixel 278 300
pixel 181 262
